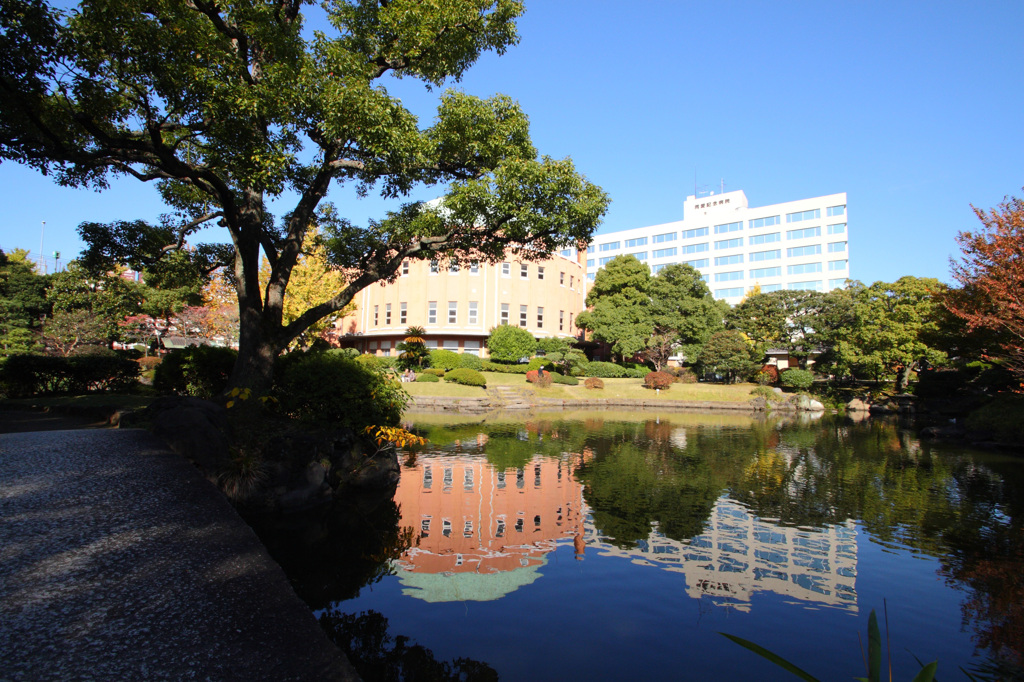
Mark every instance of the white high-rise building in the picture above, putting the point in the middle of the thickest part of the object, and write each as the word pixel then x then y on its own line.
pixel 794 245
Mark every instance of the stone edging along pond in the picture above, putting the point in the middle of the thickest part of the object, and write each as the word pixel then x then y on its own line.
pixel 485 403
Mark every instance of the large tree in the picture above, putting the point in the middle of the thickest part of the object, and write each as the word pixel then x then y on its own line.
pixel 684 314
pixel 619 306
pixel 227 105
pixel 991 275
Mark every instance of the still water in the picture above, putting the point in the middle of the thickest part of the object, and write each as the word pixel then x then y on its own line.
pixel 604 546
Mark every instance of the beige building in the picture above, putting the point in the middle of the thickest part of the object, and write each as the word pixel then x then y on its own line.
pixel 458 307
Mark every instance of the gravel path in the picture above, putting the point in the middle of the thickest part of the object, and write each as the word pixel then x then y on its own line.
pixel 118 561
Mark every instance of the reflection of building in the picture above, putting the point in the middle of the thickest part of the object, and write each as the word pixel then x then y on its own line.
pixel 473 519
pixel 457 307
pixel 739 554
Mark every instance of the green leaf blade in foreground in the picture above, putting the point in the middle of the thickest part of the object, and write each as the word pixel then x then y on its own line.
pixel 927 673
pixel 774 658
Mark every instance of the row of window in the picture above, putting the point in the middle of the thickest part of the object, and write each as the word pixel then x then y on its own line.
pixel 506 271
pixel 472 317
pixel 776 271
pixel 812 285
pixel 756 223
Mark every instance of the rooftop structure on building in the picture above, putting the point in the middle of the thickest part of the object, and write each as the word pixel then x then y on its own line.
pixel 798 244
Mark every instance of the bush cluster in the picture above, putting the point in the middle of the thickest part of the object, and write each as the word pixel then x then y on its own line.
pixel 535 363
pixel 765 392
pixel 198 371
pixel 605 370
pixel 768 375
pixel 658 380
pixel 26 375
pixel 466 377
pixel 800 379
pixel 444 359
pixel 593 382
pixel 543 380
pixel 563 379
pixel 333 389
pixel 470 361
pixel 437 372
pixel 427 378
pixel 683 375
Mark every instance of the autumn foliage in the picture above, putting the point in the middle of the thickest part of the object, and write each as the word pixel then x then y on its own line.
pixel 991 275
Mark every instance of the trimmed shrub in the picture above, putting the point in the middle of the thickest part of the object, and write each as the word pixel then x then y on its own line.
pixel 368 360
pixel 800 379
pixel 658 380
pixel 470 361
pixel 563 379
pixel 434 371
pixel 444 359
pixel 26 375
pixel 427 378
pixel 332 389
pixel 508 343
pixel 535 363
pixel 543 380
pixel 593 382
pixel 466 377
pixel 765 392
pixel 605 370
pixel 768 375
pixel 198 371
pixel 638 372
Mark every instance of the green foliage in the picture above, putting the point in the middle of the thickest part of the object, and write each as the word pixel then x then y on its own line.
pixel 470 361
pixel 510 344
pixel 28 375
pixel 768 375
pixel 605 370
pixel 434 371
pixel 22 303
pixel 1002 419
pixel 563 379
pixel 504 368
pixel 413 349
pixel 800 379
pixel 444 359
pixel 594 383
pixel 332 389
pixel 198 371
pixel 658 380
pixel 466 377
pixel 619 311
pixel 684 314
pixel 766 392
pixel 427 378
pixel 107 300
pixel 683 375
pixel 726 356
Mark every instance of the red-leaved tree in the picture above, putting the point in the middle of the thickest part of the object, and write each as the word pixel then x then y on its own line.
pixel 991 275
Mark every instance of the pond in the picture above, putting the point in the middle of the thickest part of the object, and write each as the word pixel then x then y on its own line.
pixel 605 546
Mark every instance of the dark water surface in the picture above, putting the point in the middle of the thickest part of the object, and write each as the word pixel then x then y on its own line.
pixel 606 546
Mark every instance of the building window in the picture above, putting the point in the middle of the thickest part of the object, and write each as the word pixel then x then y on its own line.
pixel 805 233
pixel 522 316
pixel 453 269
pixel 837 283
pixel 695 232
pixel 405 267
pixel 729 243
pixel 764 222
pixel 453 312
pixel 561 320
pixel 639 241
pixel 571 281
pixel 506 269
pixel 803 268
pixel 385 348
pixel 566 253
pixel 452 345
pixel 376 315
pixel 590 262
pixel 659 238
pixel 540 317
pixel 664 253
pixel 729 260
pixel 590 249
pixel 403 313
pixel 838 228
pixel 835 210
pixel 760 273
pixel 604 261
pixel 797 251
pixel 699 263
pixel 610 246
pixel 695 248
pixel 768 288
pixel 801 216
pixel 590 276
pixel 728 227
pixel 540 272
pixel 729 293
pixel 473 309
pixel 570 323
pixel 432 312
pixel 805 286
pixel 387 313
pixel 504 314
pixel 639 255
pixel 837 265
pixel 729 276
pixel 472 347
pixel 561 278
pixel 765 255
pixel 764 238
pixel 836 247
pixel 524 271
pixel 433 267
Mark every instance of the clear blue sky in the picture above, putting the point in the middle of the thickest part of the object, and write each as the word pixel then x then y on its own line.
pixel 916 110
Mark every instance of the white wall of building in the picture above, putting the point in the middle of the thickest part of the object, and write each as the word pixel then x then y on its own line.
pixel 799 244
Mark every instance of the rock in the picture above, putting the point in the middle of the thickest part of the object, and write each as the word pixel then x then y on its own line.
pixel 857 405
pixel 777 391
pixel 816 406
pixel 882 409
pixel 807 404
pixel 196 429
pixel 311 492
pixel 759 404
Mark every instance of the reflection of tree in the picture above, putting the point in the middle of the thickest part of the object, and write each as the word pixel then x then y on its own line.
pixel 376 655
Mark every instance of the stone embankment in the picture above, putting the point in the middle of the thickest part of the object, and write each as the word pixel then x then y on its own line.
pixel 119 561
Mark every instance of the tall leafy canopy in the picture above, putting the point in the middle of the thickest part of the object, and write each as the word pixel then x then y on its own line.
pixel 619 306
pixel 227 105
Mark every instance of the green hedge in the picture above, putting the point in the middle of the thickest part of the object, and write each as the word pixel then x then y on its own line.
pixel 564 380
pixel 470 361
pixel 466 377
pixel 801 379
pixel 534 363
pixel 444 359
pixel 199 371
pixel 28 375
pixel 427 378
pixel 605 370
